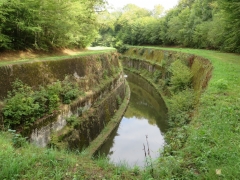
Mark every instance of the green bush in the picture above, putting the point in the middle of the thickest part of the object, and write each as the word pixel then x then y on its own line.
pixel 53 96
pixel 23 105
pixel 17 139
pixel 20 106
pixel 180 106
pixel 119 100
pixel 70 91
pixel 221 84
pixel 156 76
pixel 105 74
pixel 121 48
pixel 181 78
pixel 72 120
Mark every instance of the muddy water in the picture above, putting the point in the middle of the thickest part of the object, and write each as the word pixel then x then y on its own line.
pixel 146 116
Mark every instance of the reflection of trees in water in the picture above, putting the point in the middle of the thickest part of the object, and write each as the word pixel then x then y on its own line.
pixel 143 105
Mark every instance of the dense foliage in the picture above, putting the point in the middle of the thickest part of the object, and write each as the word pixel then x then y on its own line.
pixel 210 24
pixel 47 24
pixel 24 105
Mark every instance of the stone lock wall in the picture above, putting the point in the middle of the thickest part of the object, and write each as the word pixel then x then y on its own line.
pixel 89 71
pixel 153 60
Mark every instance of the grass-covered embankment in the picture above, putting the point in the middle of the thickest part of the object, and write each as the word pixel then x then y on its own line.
pixel 212 147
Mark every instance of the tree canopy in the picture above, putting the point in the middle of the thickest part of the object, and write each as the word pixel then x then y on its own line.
pixel 209 24
pixel 48 24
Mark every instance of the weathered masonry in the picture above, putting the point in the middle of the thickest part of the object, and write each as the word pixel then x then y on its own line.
pixel 99 76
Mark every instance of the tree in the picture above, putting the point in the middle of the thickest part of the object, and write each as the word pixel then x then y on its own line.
pixel 232 19
pixel 157 11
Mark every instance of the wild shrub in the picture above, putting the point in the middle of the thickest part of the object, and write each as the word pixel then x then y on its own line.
pixel 180 106
pixel 221 84
pixel 23 105
pixel 20 106
pixel 119 100
pixel 105 74
pixel 156 76
pixel 121 48
pixel 181 76
pixel 17 139
pixel 70 91
pixel 72 120
pixel 53 96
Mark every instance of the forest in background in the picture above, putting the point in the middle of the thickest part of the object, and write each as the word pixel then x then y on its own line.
pixel 207 24
pixel 50 24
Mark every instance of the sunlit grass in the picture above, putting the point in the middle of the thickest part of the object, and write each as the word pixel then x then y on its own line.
pixel 66 55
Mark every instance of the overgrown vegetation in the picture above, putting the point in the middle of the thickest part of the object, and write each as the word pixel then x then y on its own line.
pixel 24 105
pixel 207 148
pixel 182 100
pixel 181 78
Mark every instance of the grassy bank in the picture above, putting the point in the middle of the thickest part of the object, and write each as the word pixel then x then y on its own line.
pixel 212 148
pixel 29 162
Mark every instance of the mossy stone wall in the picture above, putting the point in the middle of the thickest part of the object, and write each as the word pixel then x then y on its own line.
pixel 98 75
pixel 153 60
pixel 93 122
pixel 88 69
pixel 97 109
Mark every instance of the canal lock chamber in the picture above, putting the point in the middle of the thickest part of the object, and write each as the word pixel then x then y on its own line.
pixel 99 105
pixel 143 124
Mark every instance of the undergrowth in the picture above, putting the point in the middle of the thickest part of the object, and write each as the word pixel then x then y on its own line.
pixel 24 106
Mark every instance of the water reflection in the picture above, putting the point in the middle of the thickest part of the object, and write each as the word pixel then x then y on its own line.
pixel 146 115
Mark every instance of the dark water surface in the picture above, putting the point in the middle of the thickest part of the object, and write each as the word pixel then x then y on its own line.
pixel 146 115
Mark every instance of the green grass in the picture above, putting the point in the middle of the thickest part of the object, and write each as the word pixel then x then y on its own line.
pixel 212 148
pixel 28 159
pixel 30 162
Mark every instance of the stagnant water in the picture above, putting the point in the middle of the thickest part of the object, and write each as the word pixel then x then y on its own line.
pixel 146 116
